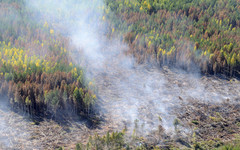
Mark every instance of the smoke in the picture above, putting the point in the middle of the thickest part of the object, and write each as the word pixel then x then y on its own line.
pixel 13 18
pixel 130 95
pixel 128 92
pixel 78 20
pixel 82 21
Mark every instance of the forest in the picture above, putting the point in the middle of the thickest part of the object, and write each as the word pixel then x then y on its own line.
pixel 189 34
pixel 37 75
pixel 41 75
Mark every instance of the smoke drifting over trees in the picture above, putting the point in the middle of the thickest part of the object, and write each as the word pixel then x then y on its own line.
pixel 109 58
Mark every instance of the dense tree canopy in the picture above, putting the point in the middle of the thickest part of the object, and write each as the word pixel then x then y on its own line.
pixel 185 33
pixel 37 74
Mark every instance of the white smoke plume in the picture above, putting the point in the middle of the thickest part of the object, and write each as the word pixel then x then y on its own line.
pixel 128 92
pixel 82 21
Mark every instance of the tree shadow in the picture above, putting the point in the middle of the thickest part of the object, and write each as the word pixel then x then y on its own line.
pixel 63 118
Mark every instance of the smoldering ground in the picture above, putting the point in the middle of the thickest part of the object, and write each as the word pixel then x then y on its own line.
pixel 128 93
pixel 132 88
pixel 145 98
pixel 82 21
pixel 130 85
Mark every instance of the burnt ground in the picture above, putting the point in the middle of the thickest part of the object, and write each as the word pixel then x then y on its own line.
pixel 211 120
pixel 166 107
pixel 211 124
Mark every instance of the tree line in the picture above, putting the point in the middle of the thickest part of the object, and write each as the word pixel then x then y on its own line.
pixel 185 33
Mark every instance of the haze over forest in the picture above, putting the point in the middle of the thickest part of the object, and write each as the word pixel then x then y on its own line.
pixel 120 74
